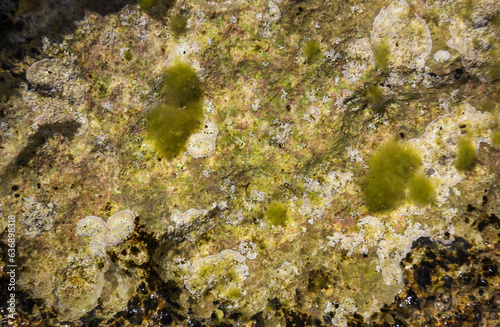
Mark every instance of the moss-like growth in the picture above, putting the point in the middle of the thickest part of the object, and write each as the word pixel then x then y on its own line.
pixel 146 4
pixel 155 4
pixel 277 213
pixel 170 127
pixel 127 55
pixel 171 123
pixel 466 155
pixel 381 54
pixel 315 198
pixel 492 102
pixel 421 190
pixel 178 24
pixel 466 8
pixel 375 97
pixel 390 168
pixel 312 50
pixel 232 294
pixel 101 85
pixel 181 84
pixel 489 106
pixel 495 138
pixel 494 72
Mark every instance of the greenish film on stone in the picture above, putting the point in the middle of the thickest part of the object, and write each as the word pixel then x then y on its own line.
pixel 146 4
pixel 495 137
pixel 382 54
pixel 466 155
pixel 170 127
pixel 375 97
pixel 311 50
pixel 390 167
pixel 178 24
pixel 151 5
pixel 277 213
pixel 232 294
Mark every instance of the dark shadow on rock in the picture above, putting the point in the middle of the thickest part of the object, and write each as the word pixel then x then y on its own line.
pixel 35 141
pixel 159 8
pixel 104 7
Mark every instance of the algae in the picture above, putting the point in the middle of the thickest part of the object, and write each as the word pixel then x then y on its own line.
pixel 277 213
pixel 466 155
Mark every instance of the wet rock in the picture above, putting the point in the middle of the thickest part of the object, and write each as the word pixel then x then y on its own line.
pixel 38 216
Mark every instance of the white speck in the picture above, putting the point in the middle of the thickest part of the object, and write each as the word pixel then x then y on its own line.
pixel 283 96
pixel 222 205
pixel 256 105
pixel 442 56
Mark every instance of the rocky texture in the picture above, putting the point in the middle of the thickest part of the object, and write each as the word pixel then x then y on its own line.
pixel 263 220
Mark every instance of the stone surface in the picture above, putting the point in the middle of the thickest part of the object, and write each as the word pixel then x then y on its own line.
pixel 261 219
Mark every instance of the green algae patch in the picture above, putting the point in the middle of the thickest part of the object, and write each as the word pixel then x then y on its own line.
pixel 180 115
pixel 495 137
pixel 146 4
pixel 155 6
pixel 375 97
pixel 311 50
pixel 382 54
pixel 466 155
pixel 390 169
pixel 421 190
pixel 101 85
pixel 178 24
pixel 170 127
pixel 181 85
pixel 127 55
pixel 277 213
pixel 232 294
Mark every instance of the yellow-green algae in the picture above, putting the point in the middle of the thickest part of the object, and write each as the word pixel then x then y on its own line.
pixel 234 78
pixel 421 190
pixel 277 213
pixel 466 155
pixel 178 24
pixel 391 174
pixel 181 85
pixel 180 115
pixel 311 50
pixel 382 54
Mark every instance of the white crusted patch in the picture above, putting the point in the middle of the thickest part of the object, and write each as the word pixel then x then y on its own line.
pixel 248 249
pixel 103 234
pixel 438 145
pixel 442 56
pixel 406 34
pixel 202 145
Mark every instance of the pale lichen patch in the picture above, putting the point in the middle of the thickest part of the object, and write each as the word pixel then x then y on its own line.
pixel 438 145
pixel 38 216
pixel 202 145
pixel 55 92
pixel 190 225
pixel 218 274
pixel 103 234
pixel 407 37
pixel 340 310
